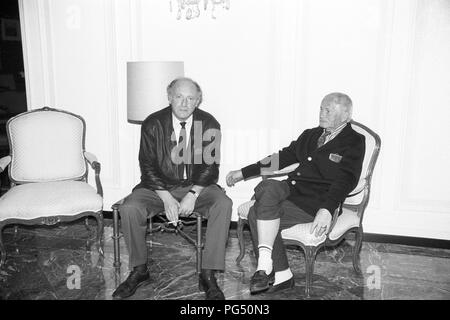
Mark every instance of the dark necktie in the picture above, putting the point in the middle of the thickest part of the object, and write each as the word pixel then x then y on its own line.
pixel 322 138
pixel 182 145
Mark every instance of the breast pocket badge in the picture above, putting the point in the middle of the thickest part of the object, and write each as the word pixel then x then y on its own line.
pixel 335 157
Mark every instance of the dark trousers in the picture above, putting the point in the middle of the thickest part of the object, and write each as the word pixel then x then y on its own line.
pixel 212 203
pixel 271 204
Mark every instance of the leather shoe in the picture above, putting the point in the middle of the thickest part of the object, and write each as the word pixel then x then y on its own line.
pixel 207 283
pixel 135 279
pixel 288 284
pixel 260 281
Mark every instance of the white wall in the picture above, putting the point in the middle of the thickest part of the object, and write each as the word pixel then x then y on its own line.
pixel 264 66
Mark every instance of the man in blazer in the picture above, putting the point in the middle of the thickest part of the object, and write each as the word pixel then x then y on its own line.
pixel 179 160
pixel 330 159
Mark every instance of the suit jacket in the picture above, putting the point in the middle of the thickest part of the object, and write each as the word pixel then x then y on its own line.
pixel 326 175
pixel 158 171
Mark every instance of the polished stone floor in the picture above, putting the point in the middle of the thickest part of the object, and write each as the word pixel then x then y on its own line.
pixel 42 261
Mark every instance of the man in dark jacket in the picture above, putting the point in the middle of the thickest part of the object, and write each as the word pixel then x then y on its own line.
pixel 330 159
pixel 179 161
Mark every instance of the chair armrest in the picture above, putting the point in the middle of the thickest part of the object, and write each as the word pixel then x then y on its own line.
pixel 359 188
pixel 334 218
pixel 92 160
pixel 4 162
pixel 276 173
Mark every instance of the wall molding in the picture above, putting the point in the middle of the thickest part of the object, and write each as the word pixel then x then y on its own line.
pixel 135 20
pixel 26 52
pixel 398 205
pixel 289 36
pixel 47 53
pixel 381 89
pixel 406 202
pixel 112 87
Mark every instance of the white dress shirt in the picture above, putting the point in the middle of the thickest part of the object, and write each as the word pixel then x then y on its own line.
pixel 334 133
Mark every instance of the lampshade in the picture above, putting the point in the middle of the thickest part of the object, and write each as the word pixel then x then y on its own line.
pixel 147 83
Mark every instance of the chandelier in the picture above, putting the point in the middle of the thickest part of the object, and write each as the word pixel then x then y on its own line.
pixel 191 8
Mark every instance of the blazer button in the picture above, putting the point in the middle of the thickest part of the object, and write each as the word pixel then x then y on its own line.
pixel 293 182
pixel 309 158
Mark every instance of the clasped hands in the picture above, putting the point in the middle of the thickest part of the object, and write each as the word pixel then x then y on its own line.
pixel 321 223
pixel 175 209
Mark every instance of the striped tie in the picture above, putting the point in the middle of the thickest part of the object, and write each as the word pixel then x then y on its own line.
pixel 182 145
pixel 323 138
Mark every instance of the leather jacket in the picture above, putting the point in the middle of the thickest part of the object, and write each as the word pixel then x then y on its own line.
pixel 158 171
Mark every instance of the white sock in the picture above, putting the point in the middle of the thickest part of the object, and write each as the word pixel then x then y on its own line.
pixel 281 276
pixel 265 258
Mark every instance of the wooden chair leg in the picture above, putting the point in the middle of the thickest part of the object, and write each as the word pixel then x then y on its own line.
pixel 151 230
pixel 255 246
pixel 199 244
pixel 150 226
pixel 240 235
pixel 115 238
pixel 149 238
pixel 310 257
pixel 357 249
pixel 2 248
pixel 100 230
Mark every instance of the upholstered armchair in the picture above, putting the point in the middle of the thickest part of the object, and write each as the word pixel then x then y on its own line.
pixel 350 219
pixel 48 172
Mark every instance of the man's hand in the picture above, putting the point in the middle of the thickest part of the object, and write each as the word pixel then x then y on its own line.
pixel 233 177
pixel 322 222
pixel 187 204
pixel 171 206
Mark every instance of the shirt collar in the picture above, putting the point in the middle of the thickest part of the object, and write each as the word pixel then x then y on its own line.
pixel 176 122
pixel 338 129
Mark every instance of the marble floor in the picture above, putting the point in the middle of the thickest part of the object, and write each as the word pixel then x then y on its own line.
pixel 43 261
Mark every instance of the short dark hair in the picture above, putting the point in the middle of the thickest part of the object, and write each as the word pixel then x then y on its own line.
pixel 197 86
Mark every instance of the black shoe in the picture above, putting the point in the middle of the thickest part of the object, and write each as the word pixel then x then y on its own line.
pixel 135 279
pixel 207 283
pixel 288 284
pixel 260 281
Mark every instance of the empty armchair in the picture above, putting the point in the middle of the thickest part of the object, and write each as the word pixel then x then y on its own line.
pixel 48 172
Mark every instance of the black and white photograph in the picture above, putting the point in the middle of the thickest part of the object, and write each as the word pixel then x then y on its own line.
pixel 257 152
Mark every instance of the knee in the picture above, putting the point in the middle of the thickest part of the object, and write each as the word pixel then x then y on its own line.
pixel 222 205
pixel 129 209
pixel 225 202
pixel 265 186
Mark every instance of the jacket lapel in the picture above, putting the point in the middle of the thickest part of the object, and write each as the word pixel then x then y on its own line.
pixel 314 137
pixel 169 129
